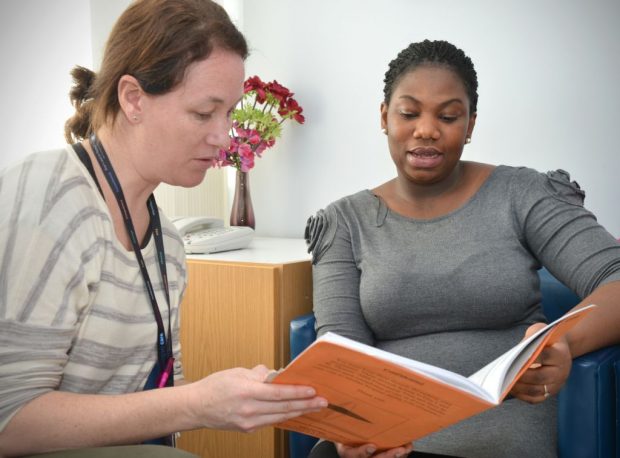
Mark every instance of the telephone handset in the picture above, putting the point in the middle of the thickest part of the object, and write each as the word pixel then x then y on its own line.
pixel 202 234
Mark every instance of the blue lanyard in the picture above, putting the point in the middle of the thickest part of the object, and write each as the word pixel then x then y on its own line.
pixel 164 346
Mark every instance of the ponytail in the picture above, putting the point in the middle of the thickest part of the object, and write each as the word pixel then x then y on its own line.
pixel 79 126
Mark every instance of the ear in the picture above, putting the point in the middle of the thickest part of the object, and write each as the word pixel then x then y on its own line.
pixel 471 124
pixel 384 110
pixel 130 95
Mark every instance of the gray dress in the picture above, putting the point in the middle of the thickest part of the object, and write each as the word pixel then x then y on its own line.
pixel 459 290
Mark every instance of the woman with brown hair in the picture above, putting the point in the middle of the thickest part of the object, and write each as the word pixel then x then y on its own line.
pixel 89 302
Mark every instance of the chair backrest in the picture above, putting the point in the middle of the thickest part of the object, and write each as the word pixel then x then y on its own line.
pixel 557 299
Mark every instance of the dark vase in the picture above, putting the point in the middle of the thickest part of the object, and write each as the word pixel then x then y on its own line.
pixel 242 213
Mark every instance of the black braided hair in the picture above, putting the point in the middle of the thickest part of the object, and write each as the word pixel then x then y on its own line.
pixel 437 52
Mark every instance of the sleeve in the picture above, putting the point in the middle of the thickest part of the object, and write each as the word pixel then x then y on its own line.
pixel 336 277
pixel 41 304
pixel 176 332
pixel 177 274
pixel 43 290
pixel 563 235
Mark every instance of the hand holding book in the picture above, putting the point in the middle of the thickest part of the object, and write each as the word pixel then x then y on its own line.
pixel 548 373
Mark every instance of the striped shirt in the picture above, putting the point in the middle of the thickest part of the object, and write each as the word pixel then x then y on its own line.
pixel 74 311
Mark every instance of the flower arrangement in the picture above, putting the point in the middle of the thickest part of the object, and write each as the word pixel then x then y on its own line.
pixel 257 121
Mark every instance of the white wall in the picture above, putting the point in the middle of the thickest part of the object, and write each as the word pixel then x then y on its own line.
pixel 104 14
pixel 549 93
pixel 547 73
pixel 40 41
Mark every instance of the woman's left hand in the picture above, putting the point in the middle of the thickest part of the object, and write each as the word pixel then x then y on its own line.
pixel 548 373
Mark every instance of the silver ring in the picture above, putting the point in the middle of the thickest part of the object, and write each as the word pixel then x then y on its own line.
pixel 547 394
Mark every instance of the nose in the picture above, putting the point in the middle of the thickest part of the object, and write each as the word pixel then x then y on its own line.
pixel 224 143
pixel 220 134
pixel 426 129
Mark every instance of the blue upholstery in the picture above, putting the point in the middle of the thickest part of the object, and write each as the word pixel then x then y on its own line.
pixel 617 423
pixel 589 403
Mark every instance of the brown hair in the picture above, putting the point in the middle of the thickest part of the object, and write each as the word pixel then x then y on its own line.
pixel 154 41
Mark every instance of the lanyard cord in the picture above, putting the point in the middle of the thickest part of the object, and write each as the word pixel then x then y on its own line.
pixel 164 346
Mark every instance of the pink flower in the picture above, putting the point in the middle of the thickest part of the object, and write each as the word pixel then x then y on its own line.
pixel 262 146
pixel 240 131
pixel 247 162
pixel 245 151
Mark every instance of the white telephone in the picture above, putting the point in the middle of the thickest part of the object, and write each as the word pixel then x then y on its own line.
pixel 208 235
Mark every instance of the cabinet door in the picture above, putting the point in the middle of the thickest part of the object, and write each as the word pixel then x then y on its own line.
pixel 238 315
pixel 228 319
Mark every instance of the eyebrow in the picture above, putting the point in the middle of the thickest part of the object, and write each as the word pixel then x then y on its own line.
pixel 215 100
pixel 443 104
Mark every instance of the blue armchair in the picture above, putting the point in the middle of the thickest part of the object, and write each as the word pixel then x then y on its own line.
pixel 589 403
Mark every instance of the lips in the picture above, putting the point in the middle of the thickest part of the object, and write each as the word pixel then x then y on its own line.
pixel 424 151
pixel 424 157
pixel 209 161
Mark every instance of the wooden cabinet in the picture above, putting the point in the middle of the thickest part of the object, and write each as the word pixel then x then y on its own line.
pixel 236 313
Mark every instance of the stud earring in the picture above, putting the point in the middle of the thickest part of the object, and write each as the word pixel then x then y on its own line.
pixel 134 117
pixel 467 140
pixel 384 130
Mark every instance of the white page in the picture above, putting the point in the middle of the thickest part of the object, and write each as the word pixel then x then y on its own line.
pixel 493 377
pixel 442 375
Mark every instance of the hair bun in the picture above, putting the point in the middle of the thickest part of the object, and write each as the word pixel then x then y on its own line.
pixel 79 127
pixel 83 79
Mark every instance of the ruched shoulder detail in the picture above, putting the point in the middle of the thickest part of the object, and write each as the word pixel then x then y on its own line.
pixel 320 232
pixel 559 185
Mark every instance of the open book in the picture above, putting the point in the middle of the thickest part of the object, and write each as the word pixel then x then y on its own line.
pixel 379 397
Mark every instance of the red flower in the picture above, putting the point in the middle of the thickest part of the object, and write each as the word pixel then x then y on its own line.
pixel 299 118
pixel 254 83
pixel 278 91
pixel 293 107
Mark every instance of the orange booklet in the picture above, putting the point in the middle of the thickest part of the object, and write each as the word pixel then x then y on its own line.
pixel 382 398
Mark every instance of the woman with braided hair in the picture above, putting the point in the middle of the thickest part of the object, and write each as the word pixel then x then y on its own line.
pixel 440 263
pixel 92 274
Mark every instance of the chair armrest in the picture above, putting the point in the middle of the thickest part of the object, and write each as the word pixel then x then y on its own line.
pixel 557 299
pixel 617 423
pixel 587 410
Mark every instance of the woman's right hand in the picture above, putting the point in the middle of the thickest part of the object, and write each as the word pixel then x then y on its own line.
pixel 240 400
pixel 364 451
